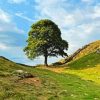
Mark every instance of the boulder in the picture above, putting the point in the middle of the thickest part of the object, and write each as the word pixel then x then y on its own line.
pixel 98 51
pixel 23 74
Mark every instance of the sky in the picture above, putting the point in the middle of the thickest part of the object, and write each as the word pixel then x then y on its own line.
pixel 78 20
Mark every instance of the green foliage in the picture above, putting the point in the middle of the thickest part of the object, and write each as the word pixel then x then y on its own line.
pixel 44 38
pixel 89 60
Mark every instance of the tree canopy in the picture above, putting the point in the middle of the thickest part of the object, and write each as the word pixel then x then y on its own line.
pixel 44 38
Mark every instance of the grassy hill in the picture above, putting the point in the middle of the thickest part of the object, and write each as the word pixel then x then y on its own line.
pixel 84 51
pixel 86 67
pixel 45 85
pixel 84 63
pixel 90 60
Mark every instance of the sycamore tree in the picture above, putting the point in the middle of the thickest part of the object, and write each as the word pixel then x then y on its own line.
pixel 44 39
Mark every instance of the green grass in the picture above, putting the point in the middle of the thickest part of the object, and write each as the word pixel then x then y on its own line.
pixel 90 60
pixel 53 86
pixel 87 67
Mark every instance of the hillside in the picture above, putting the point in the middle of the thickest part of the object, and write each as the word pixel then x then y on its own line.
pixel 44 85
pixel 90 60
pixel 86 67
pixel 85 63
pixel 89 56
pixel 85 50
pixel 90 48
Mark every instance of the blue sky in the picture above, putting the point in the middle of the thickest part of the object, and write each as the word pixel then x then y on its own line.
pixel 79 21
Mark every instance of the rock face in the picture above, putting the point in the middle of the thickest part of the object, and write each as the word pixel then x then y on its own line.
pixel 19 71
pixel 68 59
pixel 98 51
pixel 26 75
pixel 23 74
pixel 75 54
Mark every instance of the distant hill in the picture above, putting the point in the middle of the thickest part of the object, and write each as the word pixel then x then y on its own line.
pixel 84 51
pixel 6 64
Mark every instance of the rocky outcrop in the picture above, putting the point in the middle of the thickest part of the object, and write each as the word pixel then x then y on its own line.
pixel 98 51
pixel 85 50
pixel 23 74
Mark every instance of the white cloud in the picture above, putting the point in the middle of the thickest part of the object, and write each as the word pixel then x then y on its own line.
pixel 81 31
pixel 5 17
pixel 16 1
pixel 96 13
pixel 88 1
pixel 77 25
pixel 54 10
pixel 6 24
pixel 24 17
pixel 10 27
pixel 3 46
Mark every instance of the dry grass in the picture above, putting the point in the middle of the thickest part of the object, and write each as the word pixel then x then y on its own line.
pixel 92 47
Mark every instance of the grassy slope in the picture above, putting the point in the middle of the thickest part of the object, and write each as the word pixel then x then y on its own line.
pixel 90 60
pixel 92 47
pixel 86 64
pixel 53 86
pixel 87 67
pixel 85 50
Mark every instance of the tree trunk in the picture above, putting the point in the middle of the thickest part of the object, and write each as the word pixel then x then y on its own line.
pixel 45 62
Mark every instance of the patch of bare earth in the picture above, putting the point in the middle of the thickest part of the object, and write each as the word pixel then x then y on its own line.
pixel 35 81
